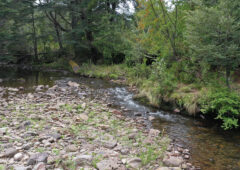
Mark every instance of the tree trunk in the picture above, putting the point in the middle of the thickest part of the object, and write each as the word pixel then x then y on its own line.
pixel 227 77
pixel 94 52
pixel 34 37
pixel 74 25
pixel 58 37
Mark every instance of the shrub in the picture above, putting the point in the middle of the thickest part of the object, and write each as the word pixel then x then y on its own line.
pixel 226 106
pixel 140 71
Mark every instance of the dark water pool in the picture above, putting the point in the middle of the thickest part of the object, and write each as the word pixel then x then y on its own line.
pixel 211 148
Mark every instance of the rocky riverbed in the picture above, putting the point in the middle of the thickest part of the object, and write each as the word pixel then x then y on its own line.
pixel 64 127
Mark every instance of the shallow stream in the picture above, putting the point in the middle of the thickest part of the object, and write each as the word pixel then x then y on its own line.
pixel 211 148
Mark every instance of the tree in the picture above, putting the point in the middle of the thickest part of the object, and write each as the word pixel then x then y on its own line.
pixel 82 25
pixel 213 36
pixel 162 27
pixel 83 29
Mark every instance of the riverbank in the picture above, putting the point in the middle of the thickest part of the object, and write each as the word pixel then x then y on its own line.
pixel 63 127
pixel 208 99
pixel 184 99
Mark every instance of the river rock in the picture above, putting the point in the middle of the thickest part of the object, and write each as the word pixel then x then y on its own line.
pixel 18 157
pixel 40 166
pixel 169 168
pixel 26 123
pixel 10 152
pixel 148 140
pixel 56 136
pixel 134 162
pixel 39 157
pixel 124 151
pixel 108 164
pixel 109 144
pixel 3 131
pixel 173 161
pixel 19 167
pixel 104 127
pixel 71 148
pixel 184 166
pixel 137 114
pixel 73 84
pixel 27 146
pixel 151 118
pixel 154 132
pixel 13 89
pixel 132 136
pixel 83 117
pixel 176 110
pixel 117 112
pixel 40 87
pixel 30 96
pixel 186 151
pixel 82 160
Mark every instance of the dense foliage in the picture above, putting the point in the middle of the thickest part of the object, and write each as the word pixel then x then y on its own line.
pixel 48 29
pixel 226 104
pixel 174 51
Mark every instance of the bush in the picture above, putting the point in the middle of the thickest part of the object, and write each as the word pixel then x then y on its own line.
pixel 226 106
pixel 61 63
pixel 165 78
pixel 140 71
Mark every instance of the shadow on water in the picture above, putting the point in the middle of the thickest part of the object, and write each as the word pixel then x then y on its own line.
pixel 211 148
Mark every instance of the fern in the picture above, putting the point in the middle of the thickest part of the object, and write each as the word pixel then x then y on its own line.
pixel 225 104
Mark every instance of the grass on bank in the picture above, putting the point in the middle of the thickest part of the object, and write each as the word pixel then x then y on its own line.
pixel 185 95
pixel 166 92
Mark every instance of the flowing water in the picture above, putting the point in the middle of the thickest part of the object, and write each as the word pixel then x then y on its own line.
pixel 211 148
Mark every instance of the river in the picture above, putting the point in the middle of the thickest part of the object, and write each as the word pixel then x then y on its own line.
pixel 211 147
